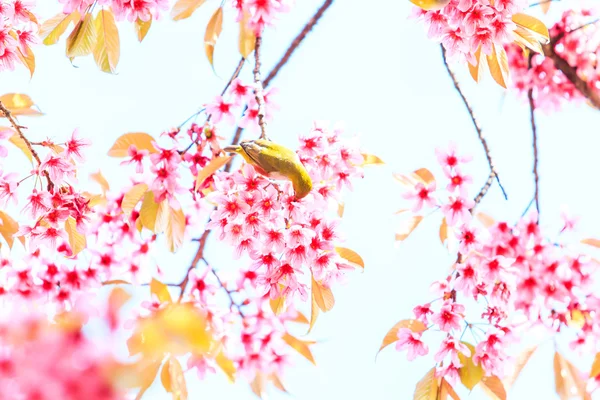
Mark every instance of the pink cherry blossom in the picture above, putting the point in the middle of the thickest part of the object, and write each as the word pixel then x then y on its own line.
pixel 410 340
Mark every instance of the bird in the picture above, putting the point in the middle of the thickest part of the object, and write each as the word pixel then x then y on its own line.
pixel 431 5
pixel 276 162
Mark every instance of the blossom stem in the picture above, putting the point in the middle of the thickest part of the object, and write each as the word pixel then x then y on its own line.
pixel 493 173
pixel 34 153
pixel 229 292
pixel 258 90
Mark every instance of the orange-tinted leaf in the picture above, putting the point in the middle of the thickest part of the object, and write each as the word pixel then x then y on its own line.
pixel 101 180
pixel 430 5
pixel 443 230
pixel 314 314
pixel 485 219
pixel 277 382
pixel 107 49
pixel 117 299
pixel 149 211
pixel 173 380
pixel 422 175
pixel 133 197
pixel 494 387
pixel 213 31
pixel 591 242
pixel 175 229
pixel 520 363
pixel 322 296
pixel 51 30
pixel 142 28
pixel 498 64
pixel 77 241
pixel 595 371
pixel 210 169
pixel 475 70
pixel 82 40
pixel 300 318
pixel 141 374
pixel 226 365
pixel 527 40
pixel 183 9
pixel 370 159
pixel 161 291
pixel 27 58
pixel 300 346
pixel 351 256
pixel 115 282
pixel 407 227
pixel 142 141
pixel 470 374
pixel 277 305
pixel 533 25
pixel 8 228
pixel 258 384
pixel 448 390
pixel 20 143
pixel 427 387
pixel 567 379
pixel 545 5
pixel 18 104
pixel 392 335
pixel 246 40
pixel 340 210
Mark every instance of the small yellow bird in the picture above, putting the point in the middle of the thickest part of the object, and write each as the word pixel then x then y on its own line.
pixel 275 161
pixel 430 5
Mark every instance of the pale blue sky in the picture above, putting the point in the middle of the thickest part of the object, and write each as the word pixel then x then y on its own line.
pixel 365 64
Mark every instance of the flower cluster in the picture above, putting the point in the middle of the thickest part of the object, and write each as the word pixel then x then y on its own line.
pixel 577 43
pixel 504 274
pixel 261 13
pixel 144 10
pixel 17 32
pixel 464 26
pixel 284 237
pixel 46 362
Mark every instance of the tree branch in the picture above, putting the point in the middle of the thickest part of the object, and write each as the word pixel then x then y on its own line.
pixel 536 175
pixel 258 89
pixel 197 257
pixel 34 153
pixel 493 173
pixel 571 73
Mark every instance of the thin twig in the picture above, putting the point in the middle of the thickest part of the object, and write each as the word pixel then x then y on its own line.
pixel 493 172
pixel 543 2
pixel 258 89
pixel 283 61
pixel 34 153
pixel 229 292
pixel 536 175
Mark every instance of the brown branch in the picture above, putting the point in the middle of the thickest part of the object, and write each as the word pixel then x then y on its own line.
pixel 34 153
pixel 486 148
pixel 197 257
pixel 571 74
pixel 536 176
pixel 258 90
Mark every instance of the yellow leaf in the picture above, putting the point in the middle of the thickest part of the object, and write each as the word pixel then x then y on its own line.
pixel 485 219
pixel 149 211
pixel 314 313
pixel 470 374
pixel 422 175
pixel 213 30
pixel 142 28
pixel 545 5
pixel 142 141
pixel 568 379
pixel 407 227
pixel 475 70
pixel 247 39
pixel 107 49
pixel 133 197
pixel 183 9
pixel 77 241
pixel 28 59
pixel 447 389
pixel 350 256
pixel 175 229
pixel 20 143
pixel 258 384
pixel 18 104
pixel 430 5
pixel 101 180
pixel 161 291
pixel 117 298
pixel 371 160
pixel 340 210
pixel 8 228
pixel 532 24
pixel 145 374
pixel 595 371
pixel 173 380
pixel 226 365
pixel 493 386
pixel 576 319
pixel 498 64
pixel 519 363
pixel 443 230
pixel 322 296
pixel 277 305
pixel 591 242
pixel 300 346
pixel 82 40
pixel 392 335
pixel 300 318
pixel 525 38
pixel 277 382
pixel 51 30
pixel 427 387
pixel 138 225
pixel 210 169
